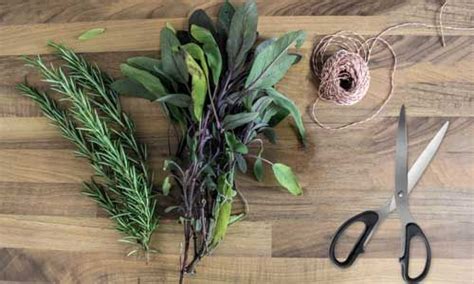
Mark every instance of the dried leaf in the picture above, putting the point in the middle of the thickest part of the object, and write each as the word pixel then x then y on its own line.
pixel 90 34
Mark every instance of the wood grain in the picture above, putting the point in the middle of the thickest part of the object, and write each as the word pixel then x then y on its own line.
pixel 51 233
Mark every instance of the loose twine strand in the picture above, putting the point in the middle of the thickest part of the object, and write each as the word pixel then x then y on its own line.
pixel 344 76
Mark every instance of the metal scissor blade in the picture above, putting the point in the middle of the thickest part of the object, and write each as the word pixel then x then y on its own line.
pixel 401 156
pixel 423 161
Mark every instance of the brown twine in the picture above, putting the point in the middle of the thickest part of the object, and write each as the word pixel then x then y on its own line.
pixel 340 63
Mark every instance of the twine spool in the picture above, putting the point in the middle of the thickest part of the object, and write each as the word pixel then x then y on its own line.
pixel 340 64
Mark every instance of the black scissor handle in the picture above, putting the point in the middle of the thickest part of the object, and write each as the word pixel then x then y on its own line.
pixel 413 230
pixel 370 219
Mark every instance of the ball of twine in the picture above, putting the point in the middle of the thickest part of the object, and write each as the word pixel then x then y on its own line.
pixel 340 61
pixel 340 64
pixel 344 78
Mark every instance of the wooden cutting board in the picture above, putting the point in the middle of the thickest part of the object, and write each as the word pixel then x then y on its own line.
pixel 49 232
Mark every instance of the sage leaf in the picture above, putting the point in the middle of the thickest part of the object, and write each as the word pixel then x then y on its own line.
pixel 232 121
pixel 170 208
pixel 270 134
pixel 131 88
pixel 224 210
pixel 224 17
pixel 286 178
pixel 150 82
pixel 201 19
pixel 290 106
pixel 197 53
pixel 273 61
pixel 264 44
pixel 184 37
pixel 199 86
pixel 172 60
pixel 236 218
pixel 258 169
pixel 166 186
pixel 242 34
pixel 241 163
pixel 211 49
pixel 154 66
pixel 179 100
pixel 90 34
pixel 235 144
pixel 146 63
pixel 170 27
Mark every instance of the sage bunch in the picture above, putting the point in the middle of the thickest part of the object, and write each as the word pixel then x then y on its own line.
pixel 105 135
pixel 216 84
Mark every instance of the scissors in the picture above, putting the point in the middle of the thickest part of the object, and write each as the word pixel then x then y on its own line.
pixel 404 183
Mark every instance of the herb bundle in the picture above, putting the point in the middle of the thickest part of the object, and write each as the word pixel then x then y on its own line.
pixel 102 133
pixel 216 85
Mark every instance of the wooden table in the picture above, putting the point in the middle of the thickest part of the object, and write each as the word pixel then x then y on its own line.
pixel 49 232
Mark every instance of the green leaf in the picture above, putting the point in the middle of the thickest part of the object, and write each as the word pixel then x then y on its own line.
pixel 258 169
pixel 173 61
pixel 179 100
pixel 128 87
pixel 224 17
pixel 184 37
pixel 147 63
pixel 235 144
pixel 224 210
pixel 201 19
pixel 211 50
pixel 150 82
pixel 90 34
pixel 241 163
pixel 232 121
pixel 270 134
pixel 170 208
pixel 199 86
pixel 273 61
pixel 290 106
pixel 242 34
pixel 166 186
pixel 261 46
pixel 278 115
pixel 236 218
pixel 170 26
pixel 287 178
pixel 197 53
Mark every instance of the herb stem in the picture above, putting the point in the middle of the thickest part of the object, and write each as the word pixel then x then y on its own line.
pixel 259 157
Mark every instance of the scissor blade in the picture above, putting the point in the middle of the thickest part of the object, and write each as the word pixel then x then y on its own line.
pixel 422 162
pixel 401 156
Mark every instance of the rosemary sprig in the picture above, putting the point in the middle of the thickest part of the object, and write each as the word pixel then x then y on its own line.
pixel 104 135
